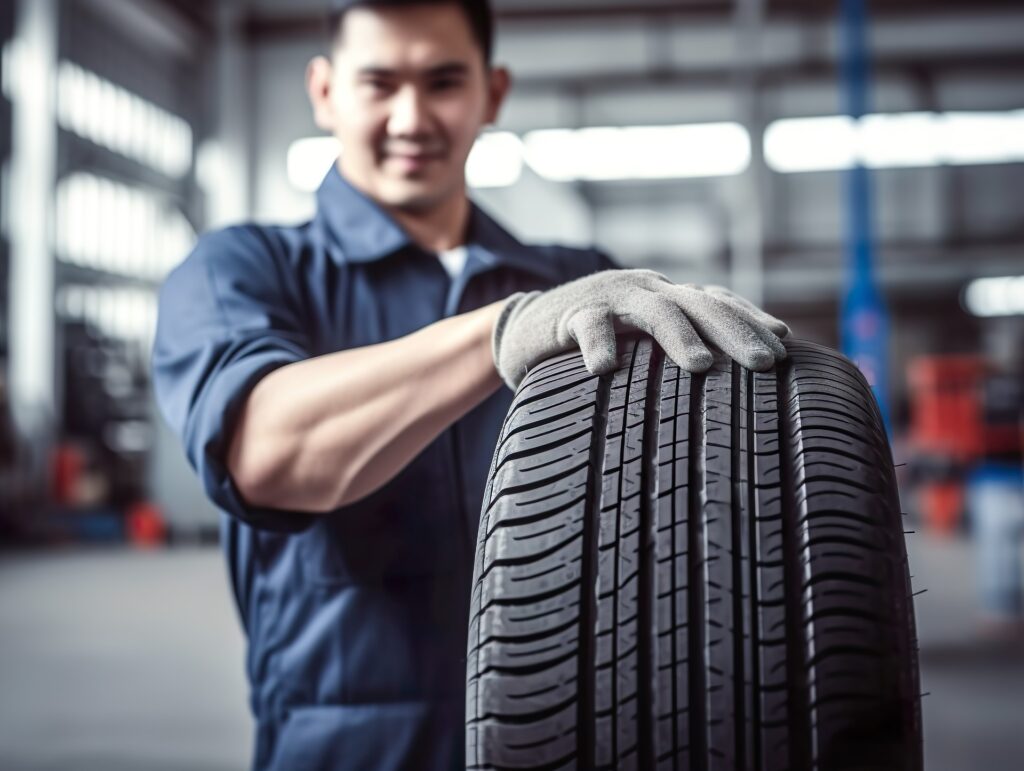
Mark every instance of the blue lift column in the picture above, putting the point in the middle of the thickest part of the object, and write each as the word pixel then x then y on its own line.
pixel 864 322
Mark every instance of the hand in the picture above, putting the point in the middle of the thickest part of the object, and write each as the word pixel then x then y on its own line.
pixel 592 310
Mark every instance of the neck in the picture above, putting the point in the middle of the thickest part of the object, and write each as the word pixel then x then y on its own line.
pixel 440 228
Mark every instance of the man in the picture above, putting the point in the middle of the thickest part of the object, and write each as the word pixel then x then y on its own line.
pixel 339 392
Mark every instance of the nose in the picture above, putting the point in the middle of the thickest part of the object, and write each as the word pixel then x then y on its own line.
pixel 410 114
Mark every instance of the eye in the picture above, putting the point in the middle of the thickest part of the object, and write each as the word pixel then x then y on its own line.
pixel 377 85
pixel 442 84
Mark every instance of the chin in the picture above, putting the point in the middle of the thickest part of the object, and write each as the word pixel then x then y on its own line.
pixel 412 195
pixel 404 196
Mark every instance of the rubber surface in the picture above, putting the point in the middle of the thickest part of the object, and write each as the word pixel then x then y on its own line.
pixel 692 572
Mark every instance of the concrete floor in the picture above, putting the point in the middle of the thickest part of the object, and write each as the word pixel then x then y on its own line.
pixel 115 659
pixel 118 660
pixel 974 711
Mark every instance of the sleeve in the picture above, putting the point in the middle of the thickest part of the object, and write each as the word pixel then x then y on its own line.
pixel 223 323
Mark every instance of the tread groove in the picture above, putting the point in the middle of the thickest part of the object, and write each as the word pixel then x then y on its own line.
pixel 736 508
pixel 755 626
pixel 674 572
pixel 695 596
pixel 647 624
pixel 588 589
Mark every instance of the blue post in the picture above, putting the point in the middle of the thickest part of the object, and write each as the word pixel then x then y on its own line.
pixel 864 322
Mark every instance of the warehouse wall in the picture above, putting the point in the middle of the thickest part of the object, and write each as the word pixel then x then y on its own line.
pixel 688 220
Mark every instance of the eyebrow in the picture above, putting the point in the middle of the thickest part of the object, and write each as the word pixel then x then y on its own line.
pixel 439 70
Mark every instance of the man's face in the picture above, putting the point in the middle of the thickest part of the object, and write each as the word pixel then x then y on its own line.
pixel 406 93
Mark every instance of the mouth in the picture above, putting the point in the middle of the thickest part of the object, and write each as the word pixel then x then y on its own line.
pixel 412 161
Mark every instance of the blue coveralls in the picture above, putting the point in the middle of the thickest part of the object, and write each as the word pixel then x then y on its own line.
pixel 357 619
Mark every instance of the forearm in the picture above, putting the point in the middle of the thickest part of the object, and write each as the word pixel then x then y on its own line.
pixel 328 431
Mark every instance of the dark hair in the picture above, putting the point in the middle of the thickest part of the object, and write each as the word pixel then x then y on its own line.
pixel 478 13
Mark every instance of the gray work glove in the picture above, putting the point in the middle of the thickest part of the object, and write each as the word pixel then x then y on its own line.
pixel 590 311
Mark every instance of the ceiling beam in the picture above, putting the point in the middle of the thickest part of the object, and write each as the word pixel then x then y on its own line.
pixel 811 69
pixel 259 26
pixel 723 10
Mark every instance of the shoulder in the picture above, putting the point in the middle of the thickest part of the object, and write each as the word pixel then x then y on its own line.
pixel 247 243
pixel 247 259
pixel 238 249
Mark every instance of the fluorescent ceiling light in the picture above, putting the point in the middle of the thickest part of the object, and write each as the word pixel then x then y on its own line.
pixel 639 152
pixel 108 115
pixel 983 137
pixel 1003 296
pixel 309 159
pixel 496 160
pixel 890 141
pixel 810 144
pixel 894 140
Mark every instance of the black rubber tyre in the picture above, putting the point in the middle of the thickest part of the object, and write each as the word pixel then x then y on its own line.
pixel 690 572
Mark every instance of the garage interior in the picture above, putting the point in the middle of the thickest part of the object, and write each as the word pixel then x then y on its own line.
pixel 129 127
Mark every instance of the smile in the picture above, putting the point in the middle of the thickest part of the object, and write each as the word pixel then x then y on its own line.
pixel 412 162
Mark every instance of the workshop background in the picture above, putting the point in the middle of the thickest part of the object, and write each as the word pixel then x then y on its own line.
pixel 857 169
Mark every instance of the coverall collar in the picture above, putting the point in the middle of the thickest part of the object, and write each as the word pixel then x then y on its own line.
pixel 366 232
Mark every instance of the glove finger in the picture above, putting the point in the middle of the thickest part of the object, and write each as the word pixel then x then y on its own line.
pixel 593 329
pixel 663 320
pixel 767 335
pixel 776 325
pixel 724 326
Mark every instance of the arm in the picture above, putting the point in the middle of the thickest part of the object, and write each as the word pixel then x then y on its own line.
pixel 327 431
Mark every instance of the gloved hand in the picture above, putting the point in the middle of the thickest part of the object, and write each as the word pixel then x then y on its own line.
pixel 590 311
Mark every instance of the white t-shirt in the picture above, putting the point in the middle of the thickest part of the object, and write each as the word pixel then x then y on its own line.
pixel 453 260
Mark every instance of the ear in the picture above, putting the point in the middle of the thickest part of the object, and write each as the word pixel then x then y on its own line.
pixel 498 85
pixel 318 86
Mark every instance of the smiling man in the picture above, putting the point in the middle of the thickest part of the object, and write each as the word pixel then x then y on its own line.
pixel 337 386
pixel 407 90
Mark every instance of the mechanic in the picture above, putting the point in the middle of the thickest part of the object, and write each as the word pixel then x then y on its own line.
pixel 338 388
